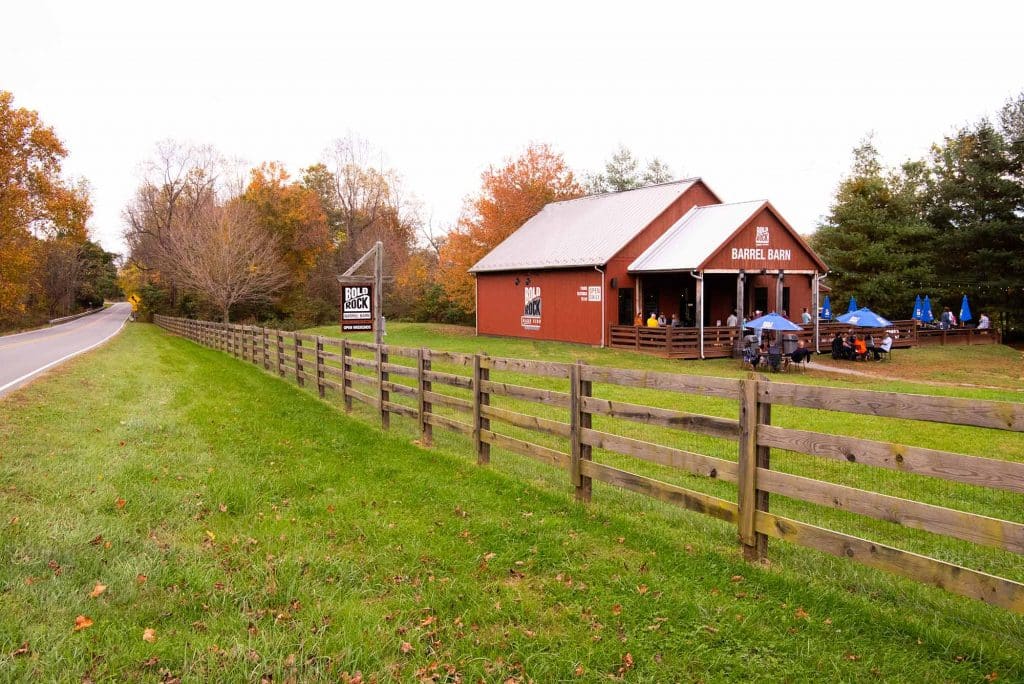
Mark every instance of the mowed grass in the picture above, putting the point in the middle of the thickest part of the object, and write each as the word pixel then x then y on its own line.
pixel 263 532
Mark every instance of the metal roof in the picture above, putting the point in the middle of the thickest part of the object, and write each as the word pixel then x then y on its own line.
pixel 695 237
pixel 587 231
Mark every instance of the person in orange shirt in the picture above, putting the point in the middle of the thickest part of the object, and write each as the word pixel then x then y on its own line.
pixel 638 320
pixel 860 348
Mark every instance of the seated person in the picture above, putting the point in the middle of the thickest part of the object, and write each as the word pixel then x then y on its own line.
pixel 848 349
pixel 652 322
pixel 675 321
pixel 661 319
pixel 800 353
pixel 638 320
pixel 886 346
pixel 751 355
pixel 775 354
pixel 860 348
pixel 837 347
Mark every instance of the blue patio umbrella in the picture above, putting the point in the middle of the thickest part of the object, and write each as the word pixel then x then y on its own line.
pixel 772 321
pixel 918 309
pixel 853 305
pixel 965 310
pixel 826 309
pixel 864 318
pixel 926 316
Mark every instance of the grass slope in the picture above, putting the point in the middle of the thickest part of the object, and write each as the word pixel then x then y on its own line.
pixel 264 533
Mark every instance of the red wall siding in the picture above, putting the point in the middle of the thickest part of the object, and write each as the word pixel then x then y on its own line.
pixel 698 195
pixel 564 317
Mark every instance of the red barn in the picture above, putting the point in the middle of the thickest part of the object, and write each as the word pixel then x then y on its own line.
pixel 582 267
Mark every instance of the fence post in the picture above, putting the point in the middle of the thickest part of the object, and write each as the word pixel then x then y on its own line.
pixel 579 420
pixel 346 368
pixel 425 407
pixel 279 343
pixel 298 361
pixel 383 394
pixel 266 348
pixel 751 457
pixel 480 399
pixel 320 366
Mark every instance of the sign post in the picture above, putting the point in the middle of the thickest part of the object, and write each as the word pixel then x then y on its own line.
pixel 362 296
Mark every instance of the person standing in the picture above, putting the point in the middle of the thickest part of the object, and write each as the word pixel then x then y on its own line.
pixel 732 320
pixel 805 317
pixel 984 323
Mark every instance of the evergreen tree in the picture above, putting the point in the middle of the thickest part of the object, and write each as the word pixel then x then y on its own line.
pixel 976 206
pixel 622 172
pixel 874 239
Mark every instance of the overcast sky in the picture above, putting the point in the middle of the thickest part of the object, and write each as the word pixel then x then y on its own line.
pixel 760 101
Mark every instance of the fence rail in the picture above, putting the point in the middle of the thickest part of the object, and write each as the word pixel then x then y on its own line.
pixel 401 381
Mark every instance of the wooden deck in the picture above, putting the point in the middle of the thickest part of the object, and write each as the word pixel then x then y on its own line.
pixel 684 343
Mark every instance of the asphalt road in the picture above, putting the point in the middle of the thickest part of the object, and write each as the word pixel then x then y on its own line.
pixel 25 355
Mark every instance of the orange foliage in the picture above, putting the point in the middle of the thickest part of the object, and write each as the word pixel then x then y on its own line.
pixel 35 201
pixel 292 213
pixel 510 195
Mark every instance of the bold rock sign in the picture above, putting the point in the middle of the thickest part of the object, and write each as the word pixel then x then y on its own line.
pixel 356 308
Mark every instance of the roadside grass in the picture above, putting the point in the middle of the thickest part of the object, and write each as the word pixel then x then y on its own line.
pixel 263 532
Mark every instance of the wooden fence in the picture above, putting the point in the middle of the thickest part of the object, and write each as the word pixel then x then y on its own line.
pixel 401 381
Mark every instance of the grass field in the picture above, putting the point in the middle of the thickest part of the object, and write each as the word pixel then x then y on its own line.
pixel 258 531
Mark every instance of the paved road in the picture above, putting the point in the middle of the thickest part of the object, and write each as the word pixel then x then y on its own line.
pixel 25 355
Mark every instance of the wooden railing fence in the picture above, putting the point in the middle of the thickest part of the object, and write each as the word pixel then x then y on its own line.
pixel 409 382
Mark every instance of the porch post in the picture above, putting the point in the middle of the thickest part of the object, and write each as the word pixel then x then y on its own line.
pixel 738 343
pixel 700 313
pixel 638 299
pixel 815 296
pixel 778 292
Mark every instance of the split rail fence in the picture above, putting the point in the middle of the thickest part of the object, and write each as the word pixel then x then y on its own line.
pixel 464 398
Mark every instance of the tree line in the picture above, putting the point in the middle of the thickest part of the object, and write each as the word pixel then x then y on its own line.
pixel 49 266
pixel 946 225
pixel 206 239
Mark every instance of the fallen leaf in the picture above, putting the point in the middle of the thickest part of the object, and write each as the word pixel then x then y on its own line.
pixel 107 544
pixel 579 671
pixel 828 621
pixel 97 590
pixel 621 540
pixel 151 662
pixel 223 508
pixel 97 540
pixel 489 556
pixel 990 677
pixel 406 647
pixel 642 589
pixel 120 503
pixel 82 622
pixel 427 621
pixel 851 656
pixel 736 578
pixel 801 614
pixel 141 579
pixel 22 650
pixel 210 535
pixel 627 663
pixel 617 609
pixel 149 635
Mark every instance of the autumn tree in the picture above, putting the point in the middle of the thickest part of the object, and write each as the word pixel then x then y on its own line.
pixel 509 196
pixel 37 203
pixel 293 214
pixel 226 256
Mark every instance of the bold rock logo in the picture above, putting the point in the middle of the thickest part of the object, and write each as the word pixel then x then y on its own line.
pixel 531 308
pixel 762 236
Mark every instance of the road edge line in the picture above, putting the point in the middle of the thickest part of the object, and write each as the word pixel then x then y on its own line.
pixel 37 371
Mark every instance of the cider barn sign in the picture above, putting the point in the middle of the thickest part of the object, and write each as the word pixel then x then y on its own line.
pixel 356 308
pixel 761 251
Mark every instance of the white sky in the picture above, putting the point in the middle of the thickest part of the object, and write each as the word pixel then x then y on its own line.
pixel 761 101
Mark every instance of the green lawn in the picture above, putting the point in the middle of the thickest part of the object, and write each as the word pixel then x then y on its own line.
pixel 260 531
